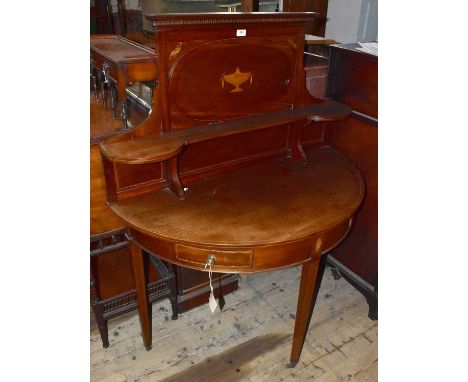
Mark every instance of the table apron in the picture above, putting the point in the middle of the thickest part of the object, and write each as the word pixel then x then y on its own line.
pixel 243 259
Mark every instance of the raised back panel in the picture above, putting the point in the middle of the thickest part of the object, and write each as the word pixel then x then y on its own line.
pixel 224 66
pixel 198 82
pixel 232 78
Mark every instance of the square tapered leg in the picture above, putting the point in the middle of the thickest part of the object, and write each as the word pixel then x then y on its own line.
pixel 144 310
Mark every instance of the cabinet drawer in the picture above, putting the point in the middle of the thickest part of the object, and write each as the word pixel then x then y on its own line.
pixel 225 258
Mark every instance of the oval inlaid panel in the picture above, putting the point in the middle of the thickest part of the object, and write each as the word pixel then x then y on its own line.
pixel 225 79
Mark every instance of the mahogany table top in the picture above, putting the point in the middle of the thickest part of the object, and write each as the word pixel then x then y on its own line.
pixel 269 203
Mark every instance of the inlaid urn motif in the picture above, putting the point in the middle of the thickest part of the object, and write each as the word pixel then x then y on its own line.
pixel 236 79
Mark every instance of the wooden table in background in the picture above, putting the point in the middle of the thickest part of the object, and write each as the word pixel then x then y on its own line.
pixel 122 62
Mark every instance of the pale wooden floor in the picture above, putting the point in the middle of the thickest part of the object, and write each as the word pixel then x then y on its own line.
pixel 249 340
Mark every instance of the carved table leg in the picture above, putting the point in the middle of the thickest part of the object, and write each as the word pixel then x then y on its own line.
pixel 311 276
pixel 142 293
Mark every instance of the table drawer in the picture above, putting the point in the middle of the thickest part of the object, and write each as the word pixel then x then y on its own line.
pixel 224 258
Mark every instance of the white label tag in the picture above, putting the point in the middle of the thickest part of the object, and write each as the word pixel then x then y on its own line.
pixel 241 33
pixel 213 303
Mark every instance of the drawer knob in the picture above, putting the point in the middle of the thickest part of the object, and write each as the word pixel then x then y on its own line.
pixel 210 261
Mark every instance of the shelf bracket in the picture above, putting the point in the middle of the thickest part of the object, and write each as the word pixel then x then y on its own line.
pixel 171 175
pixel 295 141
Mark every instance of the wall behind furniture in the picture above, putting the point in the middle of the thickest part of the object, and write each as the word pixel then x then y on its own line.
pixel 352 20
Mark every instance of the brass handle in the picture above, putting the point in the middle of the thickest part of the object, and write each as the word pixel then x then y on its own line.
pixel 210 260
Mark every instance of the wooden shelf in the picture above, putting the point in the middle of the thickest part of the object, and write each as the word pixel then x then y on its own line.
pixel 160 147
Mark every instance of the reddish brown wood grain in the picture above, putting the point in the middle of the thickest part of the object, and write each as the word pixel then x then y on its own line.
pixel 248 209
pixel 140 277
pixel 304 306
pixel 253 210
pixel 159 147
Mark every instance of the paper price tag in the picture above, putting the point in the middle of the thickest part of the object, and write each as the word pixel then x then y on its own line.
pixel 213 303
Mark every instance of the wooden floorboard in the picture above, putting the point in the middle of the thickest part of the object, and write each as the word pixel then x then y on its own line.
pixel 249 340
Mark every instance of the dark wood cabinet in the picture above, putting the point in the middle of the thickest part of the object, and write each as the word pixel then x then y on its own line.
pixel 352 79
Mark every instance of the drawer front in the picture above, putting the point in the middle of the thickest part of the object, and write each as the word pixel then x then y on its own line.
pixel 224 258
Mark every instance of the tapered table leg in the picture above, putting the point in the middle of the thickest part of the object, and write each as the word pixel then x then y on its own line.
pixel 311 276
pixel 142 293
pixel 104 332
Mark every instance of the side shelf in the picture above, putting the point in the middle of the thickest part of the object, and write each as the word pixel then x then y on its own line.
pixel 165 147
pixel 157 148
